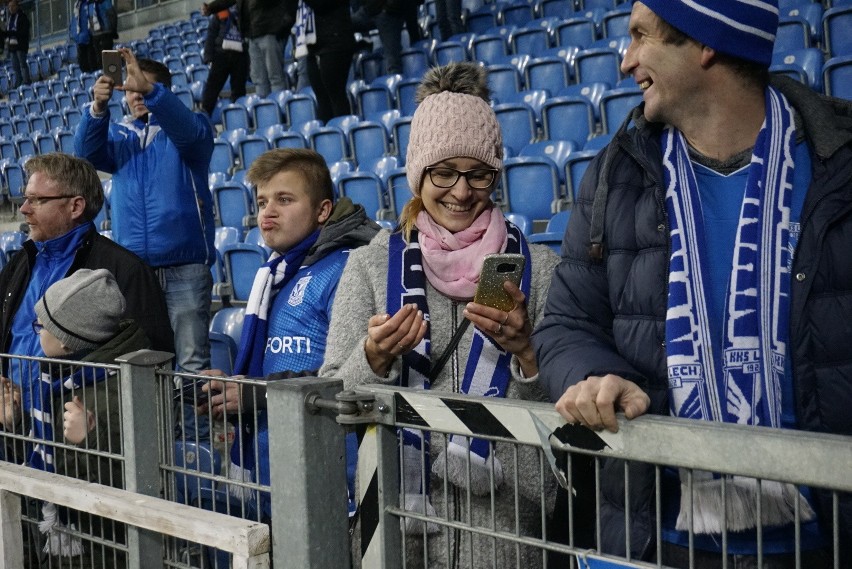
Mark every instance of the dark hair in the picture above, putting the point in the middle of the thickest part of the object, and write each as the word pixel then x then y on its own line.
pixel 309 163
pixel 78 176
pixel 160 72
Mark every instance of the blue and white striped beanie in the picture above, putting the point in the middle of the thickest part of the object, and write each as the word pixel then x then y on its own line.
pixel 741 28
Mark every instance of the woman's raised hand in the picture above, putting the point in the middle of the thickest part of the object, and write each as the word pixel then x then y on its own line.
pixel 511 330
pixel 391 336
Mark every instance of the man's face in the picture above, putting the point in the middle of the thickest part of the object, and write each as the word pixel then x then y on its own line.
pixel 285 213
pixel 13 6
pixel 135 101
pixel 53 218
pixel 666 73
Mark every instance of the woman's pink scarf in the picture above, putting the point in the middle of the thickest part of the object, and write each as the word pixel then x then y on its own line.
pixel 452 261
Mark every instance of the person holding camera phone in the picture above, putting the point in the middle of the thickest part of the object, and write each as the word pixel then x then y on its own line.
pixel 402 310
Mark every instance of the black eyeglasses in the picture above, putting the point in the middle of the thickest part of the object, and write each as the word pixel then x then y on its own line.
pixel 37 327
pixel 477 178
pixel 37 201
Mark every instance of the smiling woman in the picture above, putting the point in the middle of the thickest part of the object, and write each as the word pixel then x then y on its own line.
pixel 405 300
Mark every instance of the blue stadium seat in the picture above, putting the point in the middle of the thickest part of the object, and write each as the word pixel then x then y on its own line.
pixel 557 150
pixel 398 191
pixel 531 187
pixel 404 95
pixel 555 8
pixel 809 60
pixel 8 150
pixel 837 77
pixel 517 14
pixel 793 33
pixel 45 143
pixel 382 167
pixel 616 22
pixel 615 106
pixel 550 73
pixel 11 241
pixel 235 116
pixel 575 167
pixel 518 123
pixel 559 222
pixel 481 19
pixel 503 80
pixel 521 221
pixel 598 141
pixel 64 140
pixel 330 142
pixel 812 13
pixel 14 180
pixel 415 62
pixel 225 235
pixel 194 456
pixel 25 145
pixel 344 122
pixel 549 238
pixel 250 148
pixel 222 159
pixel 229 321
pixel 618 43
pixel 401 131
pixel 223 352
pixel 242 260
pixel 530 41
pixel 597 65
pixel 368 140
pixel 568 118
pixel 369 65
pixel 836 23
pixel 488 48
pixel 579 31
pixel 449 52
pixel 298 109
pixel 233 205
pixel 373 99
pixel 365 188
pixel 289 139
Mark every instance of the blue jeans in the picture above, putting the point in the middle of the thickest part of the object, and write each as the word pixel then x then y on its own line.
pixel 188 297
pixel 266 55
pixel 20 67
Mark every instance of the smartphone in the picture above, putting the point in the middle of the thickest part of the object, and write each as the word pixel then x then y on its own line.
pixel 112 63
pixel 191 394
pixel 497 269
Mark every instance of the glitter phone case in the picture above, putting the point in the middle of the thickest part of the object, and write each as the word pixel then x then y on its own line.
pixel 497 269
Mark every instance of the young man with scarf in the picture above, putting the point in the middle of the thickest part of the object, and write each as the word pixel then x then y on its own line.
pixel 728 184
pixel 289 307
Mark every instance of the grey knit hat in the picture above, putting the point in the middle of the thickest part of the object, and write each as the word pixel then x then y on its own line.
pixel 453 119
pixel 83 310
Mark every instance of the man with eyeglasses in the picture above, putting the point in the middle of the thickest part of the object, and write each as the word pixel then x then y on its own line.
pixel 62 197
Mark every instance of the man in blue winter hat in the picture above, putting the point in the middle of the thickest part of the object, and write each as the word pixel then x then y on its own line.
pixel 730 191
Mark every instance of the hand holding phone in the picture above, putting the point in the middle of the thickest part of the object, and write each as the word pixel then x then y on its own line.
pixel 112 63
pixel 497 269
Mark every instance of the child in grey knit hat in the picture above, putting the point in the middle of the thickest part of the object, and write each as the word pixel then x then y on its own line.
pixel 78 314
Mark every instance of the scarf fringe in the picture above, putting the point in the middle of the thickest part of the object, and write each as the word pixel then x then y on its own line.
pixel 415 503
pixel 778 502
pixel 457 457
pixel 240 474
pixel 59 543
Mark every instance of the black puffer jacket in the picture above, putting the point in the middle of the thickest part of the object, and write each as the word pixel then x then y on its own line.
pixel 608 316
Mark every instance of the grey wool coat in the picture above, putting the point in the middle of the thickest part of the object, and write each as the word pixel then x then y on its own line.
pixel 362 294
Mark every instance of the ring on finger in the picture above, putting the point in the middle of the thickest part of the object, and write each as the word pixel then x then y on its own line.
pixel 499 329
pixel 506 319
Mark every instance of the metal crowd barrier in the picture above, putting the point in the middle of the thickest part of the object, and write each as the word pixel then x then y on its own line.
pixel 508 523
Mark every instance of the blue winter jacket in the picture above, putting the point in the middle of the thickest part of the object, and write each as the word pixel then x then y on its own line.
pixel 161 205
pixel 608 315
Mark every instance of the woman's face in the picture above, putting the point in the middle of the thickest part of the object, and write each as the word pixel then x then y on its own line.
pixel 456 208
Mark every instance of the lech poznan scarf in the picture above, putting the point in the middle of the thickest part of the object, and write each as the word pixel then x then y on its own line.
pixel 270 278
pixel 487 373
pixel 740 380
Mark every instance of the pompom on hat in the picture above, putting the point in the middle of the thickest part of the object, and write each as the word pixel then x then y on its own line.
pixel 453 119
pixel 83 310
pixel 741 28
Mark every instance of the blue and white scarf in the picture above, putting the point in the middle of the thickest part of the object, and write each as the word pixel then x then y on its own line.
pixel 737 381
pixel 487 374
pixel 41 454
pixel 269 280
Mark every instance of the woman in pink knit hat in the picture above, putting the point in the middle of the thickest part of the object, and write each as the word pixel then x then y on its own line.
pixel 402 315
